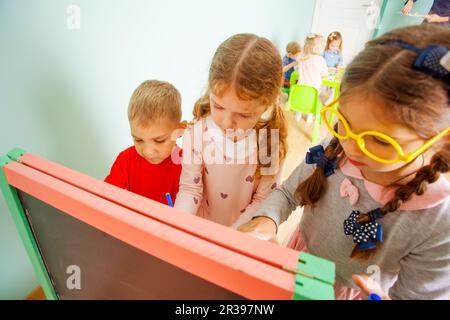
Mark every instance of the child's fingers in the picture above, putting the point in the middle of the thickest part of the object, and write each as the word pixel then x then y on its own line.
pixel 274 239
pixel 260 224
pixel 368 286
pixel 260 235
pixel 361 282
pixel 248 227
pixel 263 236
pixel 262 228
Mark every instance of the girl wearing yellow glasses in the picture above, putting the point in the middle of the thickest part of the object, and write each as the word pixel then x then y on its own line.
pixel 375 200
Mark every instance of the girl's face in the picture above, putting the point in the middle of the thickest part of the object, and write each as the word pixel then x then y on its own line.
pixel 230 113
pixel 364 115
pixel 334 45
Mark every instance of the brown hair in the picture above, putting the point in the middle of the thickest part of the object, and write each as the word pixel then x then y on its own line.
pixel 154 100
pixel 336 35
pixel 252 66
pixel 293 47
pixel 410 97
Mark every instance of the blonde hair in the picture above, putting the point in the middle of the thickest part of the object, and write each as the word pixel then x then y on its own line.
pixel 252 66
pixel 334 36
pixel 410 97
pixel 311 43
pixel 293 47
pixel 154 100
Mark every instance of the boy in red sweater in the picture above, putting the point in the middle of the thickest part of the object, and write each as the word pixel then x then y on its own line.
pixel 151 167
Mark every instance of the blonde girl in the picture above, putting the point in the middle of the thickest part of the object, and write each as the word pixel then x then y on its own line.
pixel 312 67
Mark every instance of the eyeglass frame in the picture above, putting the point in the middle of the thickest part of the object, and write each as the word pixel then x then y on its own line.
pixel 359 138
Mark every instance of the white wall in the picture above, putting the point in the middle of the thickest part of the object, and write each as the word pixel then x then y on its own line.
pixel 64 93
pixel 354 19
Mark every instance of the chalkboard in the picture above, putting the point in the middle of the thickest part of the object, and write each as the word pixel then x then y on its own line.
pixel 109 268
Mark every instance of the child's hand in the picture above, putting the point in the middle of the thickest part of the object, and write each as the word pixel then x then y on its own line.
pixel 369 286
pixel 408 7
pixel 261 227
pixel 436 18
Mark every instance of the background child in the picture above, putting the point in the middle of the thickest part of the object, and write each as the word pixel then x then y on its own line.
pixel 353 200
pixel 312 66
pixel 151 167
pixel 293 49
pixel 333 50
pixel 223 175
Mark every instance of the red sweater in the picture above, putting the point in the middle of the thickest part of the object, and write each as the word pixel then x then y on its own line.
pixel 132 172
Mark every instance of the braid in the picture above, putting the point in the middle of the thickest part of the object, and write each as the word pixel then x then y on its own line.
pixel 310 190
pixel 430 173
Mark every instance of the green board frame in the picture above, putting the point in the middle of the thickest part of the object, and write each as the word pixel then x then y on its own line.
pixel 20 219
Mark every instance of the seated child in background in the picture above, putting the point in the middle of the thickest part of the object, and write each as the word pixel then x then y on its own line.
pixel 290 62
pixel 333 50
pixel 312 66
pixel 151 167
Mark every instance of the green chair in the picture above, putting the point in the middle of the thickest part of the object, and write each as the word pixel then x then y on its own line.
pixel 336 84
pixel 294 78
pixel 305 99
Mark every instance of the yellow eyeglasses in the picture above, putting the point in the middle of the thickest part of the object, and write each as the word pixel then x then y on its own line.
pixel 374 144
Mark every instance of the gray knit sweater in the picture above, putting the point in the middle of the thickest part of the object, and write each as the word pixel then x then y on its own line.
pixel 414 258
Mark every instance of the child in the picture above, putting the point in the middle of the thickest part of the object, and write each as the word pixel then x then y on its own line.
pixel 333 51
pixel 225 171
pixel 152 166
pixel 363 192
pixel 312 66
pixel 290 62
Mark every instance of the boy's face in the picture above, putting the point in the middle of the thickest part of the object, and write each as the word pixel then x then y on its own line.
pixel 156 140
pixel 293 56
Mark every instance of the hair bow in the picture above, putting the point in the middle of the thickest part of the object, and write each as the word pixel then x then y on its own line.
pixel 365 235
pixel 429 59
pixel 347 189
pixel 317 155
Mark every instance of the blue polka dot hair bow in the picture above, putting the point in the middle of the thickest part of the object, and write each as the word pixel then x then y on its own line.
pixel 365 235
pixel 429 59
pixel 317 155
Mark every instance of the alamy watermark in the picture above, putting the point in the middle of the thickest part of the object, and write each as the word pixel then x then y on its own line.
pixel 73 281
pixel 73 20
pixel 234 146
